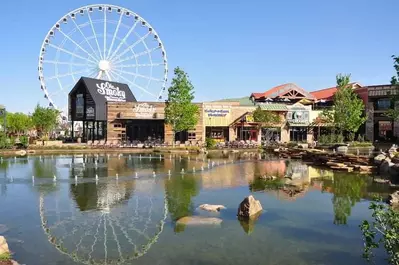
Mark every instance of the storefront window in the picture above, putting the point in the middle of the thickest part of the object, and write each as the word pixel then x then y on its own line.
pixel 298 134
pixel 383 104
pixel 217 133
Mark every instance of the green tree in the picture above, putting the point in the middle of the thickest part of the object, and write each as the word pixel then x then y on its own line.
pixel 347 113
pixel 265 117
pixel 393 112
pixel 45 119
pixel 18 123
pixel 383 230
pixel 180 113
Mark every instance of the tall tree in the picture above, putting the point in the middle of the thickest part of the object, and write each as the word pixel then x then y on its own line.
pixel 180 112
pixel 347 114
pixel 45 119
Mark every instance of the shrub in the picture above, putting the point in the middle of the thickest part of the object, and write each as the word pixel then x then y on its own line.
pixel 351 137
pixel 339 138
pixel 24 140
pixel 360 138
pixel 382 231
pixel 323 139
pixel 210 143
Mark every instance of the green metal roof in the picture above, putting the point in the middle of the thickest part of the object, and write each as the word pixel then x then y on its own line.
pixel 244 101
pixel 273 107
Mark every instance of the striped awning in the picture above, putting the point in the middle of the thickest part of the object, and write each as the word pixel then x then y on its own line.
pixel 273 107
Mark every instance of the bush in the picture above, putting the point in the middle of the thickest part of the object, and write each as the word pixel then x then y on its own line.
pixel 360 138
pixel 24 140
pixel 5 142
pixel 210 143
pixel 339 138
pixel 383 231
pixel 351 137
pixel 323 139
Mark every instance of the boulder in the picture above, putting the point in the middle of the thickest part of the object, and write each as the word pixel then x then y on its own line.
pixel 342 149
pixel 198 220
pixel 249 207
pixel 211 207
pixel 20 152
pixel 394 170
pixel 381 181
pixel 378 159
pixel 4 250
pixel 385 166
pixel 393 199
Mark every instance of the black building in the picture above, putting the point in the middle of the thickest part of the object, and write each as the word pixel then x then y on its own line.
pixel 87 104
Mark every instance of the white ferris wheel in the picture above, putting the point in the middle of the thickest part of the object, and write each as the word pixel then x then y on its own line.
pixel 105 42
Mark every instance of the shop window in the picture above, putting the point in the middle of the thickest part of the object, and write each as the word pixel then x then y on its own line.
pixel 383 104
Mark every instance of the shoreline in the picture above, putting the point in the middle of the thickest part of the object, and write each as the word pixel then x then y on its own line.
pixel 61 151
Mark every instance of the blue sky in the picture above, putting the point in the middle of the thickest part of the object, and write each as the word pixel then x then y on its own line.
pixel 229 48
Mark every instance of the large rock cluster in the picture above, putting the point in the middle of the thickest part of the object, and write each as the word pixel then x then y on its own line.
pixel 388 163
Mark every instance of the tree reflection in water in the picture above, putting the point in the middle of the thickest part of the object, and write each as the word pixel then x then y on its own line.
pixel 347 189
pixel 179 194
pixel 45 169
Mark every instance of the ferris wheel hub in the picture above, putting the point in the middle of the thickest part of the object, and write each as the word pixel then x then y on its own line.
pixel 104 65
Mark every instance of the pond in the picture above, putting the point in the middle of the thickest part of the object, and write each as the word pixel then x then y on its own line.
pixel 122 209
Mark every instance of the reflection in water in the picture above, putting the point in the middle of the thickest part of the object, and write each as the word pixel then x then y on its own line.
pixel 112 223
pixel 116 220
pixel 248 224
pixel 348 189
pixel 179 194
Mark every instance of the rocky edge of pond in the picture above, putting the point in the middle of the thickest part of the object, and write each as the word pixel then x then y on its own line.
pixel 336 161
pixel 5 254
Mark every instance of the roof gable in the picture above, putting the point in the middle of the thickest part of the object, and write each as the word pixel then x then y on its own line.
pixel 289 90
pixel 103 91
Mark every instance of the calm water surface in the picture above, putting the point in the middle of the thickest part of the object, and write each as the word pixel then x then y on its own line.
pixel 97 211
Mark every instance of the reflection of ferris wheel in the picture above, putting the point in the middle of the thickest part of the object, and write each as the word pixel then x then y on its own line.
pixel 105 42
pixel 122 226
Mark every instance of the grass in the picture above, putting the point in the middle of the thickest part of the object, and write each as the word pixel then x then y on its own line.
pixel 5 256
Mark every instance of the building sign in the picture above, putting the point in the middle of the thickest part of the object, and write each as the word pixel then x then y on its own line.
pixel 144 110
pixel 298 116
pixel 79 105
pixel 249 118
pixel 110 92
pixel 90 113
pixel 217 112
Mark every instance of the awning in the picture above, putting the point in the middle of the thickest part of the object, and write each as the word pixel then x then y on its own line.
pixel 273 107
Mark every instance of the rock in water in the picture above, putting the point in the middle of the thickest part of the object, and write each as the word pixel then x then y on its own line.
pixel 3 246
pixel 393 199
pixel 249 207
pixel 198 220
pixel 211 208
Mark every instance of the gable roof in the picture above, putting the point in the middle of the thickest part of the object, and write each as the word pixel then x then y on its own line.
pixel 103 91
pixel 281 90
pixel 328 93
